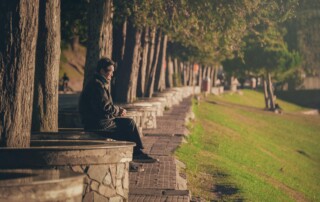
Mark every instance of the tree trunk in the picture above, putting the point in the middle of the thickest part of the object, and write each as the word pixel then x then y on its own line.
pixel 176 72
pixel 99 44
pixel 180 65
pixel 193 76
pixel 18 37
pixel 270 93
pixel 169 73
pixel 200 74
pixel 119 33
pixel 185 74
pixel 126 81
pixel 143 64
pixel 190 75
pixel 204 73
pixel 160 82
pixel 45 104
pixel 150 55
pixel 209 72
pixel 215 76
pixel 150 86
pixel 265 90
pixel 213 70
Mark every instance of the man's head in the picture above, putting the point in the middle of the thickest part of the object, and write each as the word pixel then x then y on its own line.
pixel 105 67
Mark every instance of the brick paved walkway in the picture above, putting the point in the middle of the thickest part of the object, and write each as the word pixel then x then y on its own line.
pixel 159 181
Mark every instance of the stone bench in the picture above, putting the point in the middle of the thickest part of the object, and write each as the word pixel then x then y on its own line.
pixel 104 163
pixel 162 100
pixel 187 91
pixel 70 118
pixel 176 95
pixel 149 114
pixel 153 103
pixel 40 185
pixel 167 95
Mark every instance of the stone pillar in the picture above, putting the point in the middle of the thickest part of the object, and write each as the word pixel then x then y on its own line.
pixel 104 163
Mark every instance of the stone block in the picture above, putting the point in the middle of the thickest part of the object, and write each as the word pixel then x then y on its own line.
pixel 116 199
pixel 88 197
pixel 99 198
pixel 119 187
pixel 94 185
pixel 77 169
pixel 98 172
pixel 125 181
pixel 108 179
pixel 120 170
pixel 106 191
pixel 113 171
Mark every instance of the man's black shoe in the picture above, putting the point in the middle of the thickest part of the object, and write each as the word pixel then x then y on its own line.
pixel 144 158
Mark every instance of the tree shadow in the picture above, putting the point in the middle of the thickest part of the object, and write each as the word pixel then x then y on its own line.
pixel 223 188
pixel 227 192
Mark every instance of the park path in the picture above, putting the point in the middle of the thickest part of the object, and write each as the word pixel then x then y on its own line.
pixel 162 181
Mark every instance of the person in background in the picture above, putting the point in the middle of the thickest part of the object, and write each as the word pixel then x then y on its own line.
pixel 65 81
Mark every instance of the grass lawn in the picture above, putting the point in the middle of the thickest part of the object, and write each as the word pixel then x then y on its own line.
pixel 238 151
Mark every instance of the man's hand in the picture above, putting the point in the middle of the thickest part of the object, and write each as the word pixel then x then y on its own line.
pixel 122 112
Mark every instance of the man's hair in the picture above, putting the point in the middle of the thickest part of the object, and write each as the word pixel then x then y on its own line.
pixel 104 63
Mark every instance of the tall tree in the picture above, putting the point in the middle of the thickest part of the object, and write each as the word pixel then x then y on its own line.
pixel 127 73
pixel 160 84
pixel 169 73
pixel 99 44
pixel 303 35
pixel 143 63
pixel 269 55
pixel 45 104
pixel 151 54
pixel 18 37
pixel 152 74
pixel 119 40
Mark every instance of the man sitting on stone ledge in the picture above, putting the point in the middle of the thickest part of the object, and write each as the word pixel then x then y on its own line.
pixel 98 113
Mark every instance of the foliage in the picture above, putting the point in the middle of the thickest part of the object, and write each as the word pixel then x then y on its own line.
pixel 74 20
pixel 268 52
pixel 303 35
pixel 206 32
pixel 235 67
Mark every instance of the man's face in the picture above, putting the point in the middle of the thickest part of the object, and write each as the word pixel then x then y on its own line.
pixel 108 73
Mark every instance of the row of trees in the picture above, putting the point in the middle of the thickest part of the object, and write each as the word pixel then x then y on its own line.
pixel 151 35
pixel 144 37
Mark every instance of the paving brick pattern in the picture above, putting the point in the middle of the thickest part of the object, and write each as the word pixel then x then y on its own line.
pixel 158 181
pixel 161 145
pixel 160 175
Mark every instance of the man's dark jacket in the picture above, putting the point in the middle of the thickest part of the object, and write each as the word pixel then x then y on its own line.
pixel 95 105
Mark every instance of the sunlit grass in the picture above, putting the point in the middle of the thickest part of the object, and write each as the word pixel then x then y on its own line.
pixel 256 99
pixel 236 152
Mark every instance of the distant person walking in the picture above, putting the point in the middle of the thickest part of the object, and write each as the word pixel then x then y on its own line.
pixel 98 113
pixel 65 81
